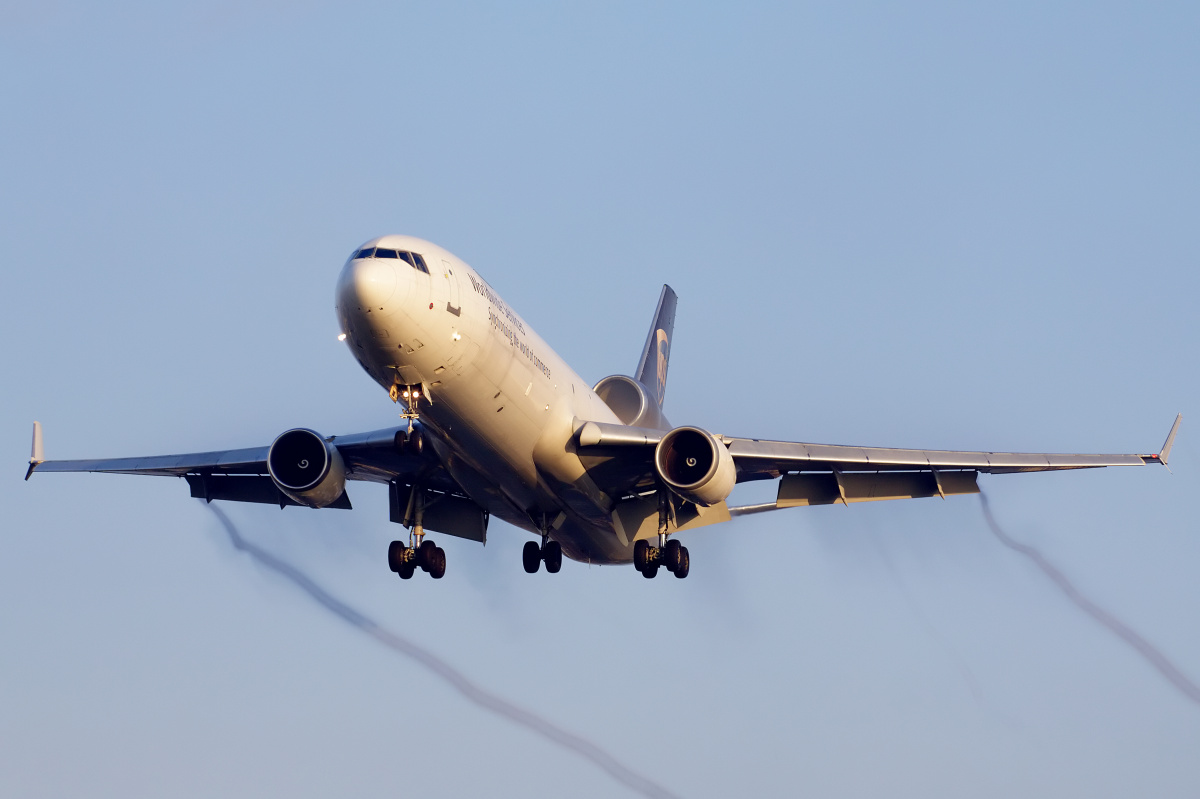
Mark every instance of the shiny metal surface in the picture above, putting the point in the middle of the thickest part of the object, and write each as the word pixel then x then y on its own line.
pixel 510 427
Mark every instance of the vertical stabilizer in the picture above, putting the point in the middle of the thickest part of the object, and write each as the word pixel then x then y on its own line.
pixel 652 368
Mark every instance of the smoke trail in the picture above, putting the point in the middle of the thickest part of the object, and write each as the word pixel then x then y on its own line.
pixel 1140 645
pixel 469 690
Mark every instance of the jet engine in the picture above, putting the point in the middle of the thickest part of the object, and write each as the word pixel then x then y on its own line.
pixel 695 465
pixel 630 401
pixel 307 468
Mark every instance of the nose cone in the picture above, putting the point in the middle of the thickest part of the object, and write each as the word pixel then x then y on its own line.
pixel 367 284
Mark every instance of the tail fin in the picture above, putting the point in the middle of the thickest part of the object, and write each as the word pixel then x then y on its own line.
pixel 652 368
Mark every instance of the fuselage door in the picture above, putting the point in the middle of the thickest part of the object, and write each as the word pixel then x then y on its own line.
pixel 453 305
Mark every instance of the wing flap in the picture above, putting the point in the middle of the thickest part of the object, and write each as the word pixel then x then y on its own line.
pixel 796 490
pixel 248 488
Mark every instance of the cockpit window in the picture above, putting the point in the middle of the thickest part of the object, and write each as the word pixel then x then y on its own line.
pixel 413 259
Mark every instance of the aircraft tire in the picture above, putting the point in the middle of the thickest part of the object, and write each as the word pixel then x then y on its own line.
pixel 641 554
pixel 407 570
pixel 651 571
pixel 438 570
pixel 531 557
pixel 396 555
pixel 671 557
pixel 685 564
pixel 552 555
pixel 427 554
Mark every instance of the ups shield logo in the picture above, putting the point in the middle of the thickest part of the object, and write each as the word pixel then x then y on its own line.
pixel 664 350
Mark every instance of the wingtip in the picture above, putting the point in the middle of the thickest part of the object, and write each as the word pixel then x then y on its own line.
pixel 36 452
pixel 1165 452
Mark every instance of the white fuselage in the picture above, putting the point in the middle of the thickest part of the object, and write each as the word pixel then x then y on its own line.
pixel 502 406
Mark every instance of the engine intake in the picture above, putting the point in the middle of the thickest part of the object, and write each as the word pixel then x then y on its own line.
pixel 695 465
pixel 307 468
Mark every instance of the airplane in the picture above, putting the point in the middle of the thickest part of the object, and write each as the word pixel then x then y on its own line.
pixel 495 423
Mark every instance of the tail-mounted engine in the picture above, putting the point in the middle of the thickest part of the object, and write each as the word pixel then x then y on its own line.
pixel 695 465
pixel 631 402
pixel 307 468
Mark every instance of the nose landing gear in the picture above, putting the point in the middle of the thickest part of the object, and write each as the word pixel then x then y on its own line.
pixel 410 396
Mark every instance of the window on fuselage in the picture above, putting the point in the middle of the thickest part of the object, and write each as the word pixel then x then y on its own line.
pixel 366 252
pixel 421 263
pixel 380 252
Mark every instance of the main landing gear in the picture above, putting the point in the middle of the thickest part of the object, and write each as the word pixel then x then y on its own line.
pixel 549 552
pixel 403 559
pixel 671 556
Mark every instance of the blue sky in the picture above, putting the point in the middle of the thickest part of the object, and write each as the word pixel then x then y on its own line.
pixel 946 226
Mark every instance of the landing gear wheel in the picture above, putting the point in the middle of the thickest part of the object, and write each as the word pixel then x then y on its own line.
pixel 438 569
pixel 552 555
pixel 671 557
pixel 396 551
pixel 641 554
pixel 427 555
pixel 651 571
pixel 685 564
pixel 531 556
pixel 407 570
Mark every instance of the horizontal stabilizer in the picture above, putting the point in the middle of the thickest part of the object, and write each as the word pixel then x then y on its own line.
pixel 605 434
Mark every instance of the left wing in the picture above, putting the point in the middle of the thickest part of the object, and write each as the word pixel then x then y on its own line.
pixel 757 459
pixel 818 474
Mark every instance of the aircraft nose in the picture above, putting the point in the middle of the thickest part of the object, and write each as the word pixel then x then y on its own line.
pixel 368 283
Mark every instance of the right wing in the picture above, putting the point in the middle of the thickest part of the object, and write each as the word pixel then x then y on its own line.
pixel 241 474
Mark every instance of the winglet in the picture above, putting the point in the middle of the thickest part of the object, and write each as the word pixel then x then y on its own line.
pixel 1166 449
pixel 36 454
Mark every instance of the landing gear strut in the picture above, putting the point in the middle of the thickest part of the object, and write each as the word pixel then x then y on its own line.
pixel 669 555
pixel 403 559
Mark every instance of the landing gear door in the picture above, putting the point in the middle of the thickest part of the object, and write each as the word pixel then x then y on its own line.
pixel 453 305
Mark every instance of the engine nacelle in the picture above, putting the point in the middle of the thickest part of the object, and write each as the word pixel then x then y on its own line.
pixel 630 401
pixel 307 468
pixel 695 465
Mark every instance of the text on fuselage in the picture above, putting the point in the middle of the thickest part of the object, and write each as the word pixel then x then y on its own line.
pixel 519 345
pixel 485 290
